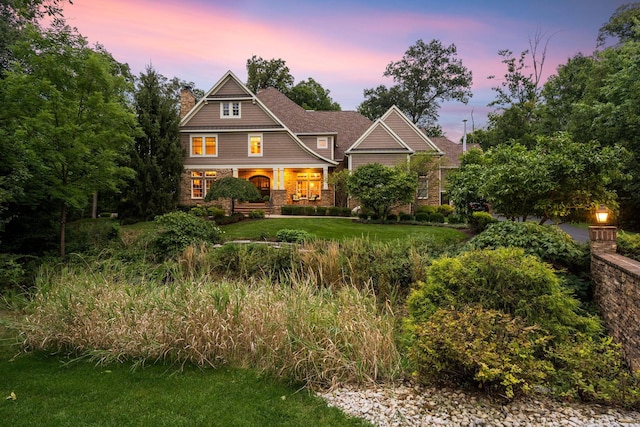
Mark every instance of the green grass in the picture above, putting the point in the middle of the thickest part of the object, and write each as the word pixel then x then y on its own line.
pixel 50 392
pixel 336 229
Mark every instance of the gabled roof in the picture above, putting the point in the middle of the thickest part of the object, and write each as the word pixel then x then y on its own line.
pixel 408 131
pixel 348 126
pixel 243 93
pixel 379 138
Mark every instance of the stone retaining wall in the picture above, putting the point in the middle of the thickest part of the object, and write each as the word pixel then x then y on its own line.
pixel 617 293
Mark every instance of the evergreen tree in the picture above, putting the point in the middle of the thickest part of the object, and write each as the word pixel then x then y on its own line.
pixel 156 156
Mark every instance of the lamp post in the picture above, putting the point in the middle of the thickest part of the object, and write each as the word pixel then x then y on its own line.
pixel 602 237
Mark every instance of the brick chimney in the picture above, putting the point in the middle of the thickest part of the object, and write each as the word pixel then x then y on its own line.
pixel 187 100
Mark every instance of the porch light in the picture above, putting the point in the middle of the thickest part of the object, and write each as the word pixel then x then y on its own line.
pixel 602 214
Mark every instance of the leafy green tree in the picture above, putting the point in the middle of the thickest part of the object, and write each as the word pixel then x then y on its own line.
pixel 464 184
pixel 427 75
pixel 378 100
pixel 14 17
pixel 310 95
pixel 382 188
pixel 233 188
pixel 67 104
pixel 623 24
pixel 156 156
pixel 338 180
pixel 264 73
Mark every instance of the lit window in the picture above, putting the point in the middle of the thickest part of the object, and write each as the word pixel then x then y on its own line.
pixel 323 142
pixel 255 145
pixel 230 110
pixel 204 145
pixel 309 185
pixel 201 183
pixel 197 185
pixel 423 188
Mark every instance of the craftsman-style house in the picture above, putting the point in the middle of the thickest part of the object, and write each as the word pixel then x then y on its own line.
pixel 286 151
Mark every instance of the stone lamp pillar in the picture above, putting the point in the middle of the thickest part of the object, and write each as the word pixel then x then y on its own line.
pixel 602 237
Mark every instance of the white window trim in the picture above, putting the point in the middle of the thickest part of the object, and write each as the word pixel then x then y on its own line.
pixel 230 116
pixel 261 145
pixel 204 137
pixel 322 146
pixel 201 189
pixel 426 179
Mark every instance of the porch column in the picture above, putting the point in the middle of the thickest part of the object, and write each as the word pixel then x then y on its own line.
pixel 235 172
pixel 282 178
pixel 325 177
pixel 276 179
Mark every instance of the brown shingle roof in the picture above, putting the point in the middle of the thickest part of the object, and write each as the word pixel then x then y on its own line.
pixel 452 151
pixel 348 126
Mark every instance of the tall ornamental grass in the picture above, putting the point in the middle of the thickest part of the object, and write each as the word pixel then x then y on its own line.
pixel 302 332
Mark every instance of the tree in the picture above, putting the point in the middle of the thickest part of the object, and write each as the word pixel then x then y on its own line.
pixel 232 188
pixel 379 100
pixel 464 184
pixel 67 104
pixel 264 73
pixel 553 180
pixel 156 156
pixel 623 24
pixel 310 95
pixel 338 180
pixel 14 17
pixel 382 188
pixel 426 75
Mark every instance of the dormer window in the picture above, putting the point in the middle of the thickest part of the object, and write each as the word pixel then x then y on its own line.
pixel 230 110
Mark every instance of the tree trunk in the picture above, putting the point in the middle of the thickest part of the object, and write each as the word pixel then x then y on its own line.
pixel 63 224
pixel 94 207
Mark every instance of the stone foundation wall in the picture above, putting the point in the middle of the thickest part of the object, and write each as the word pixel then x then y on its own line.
pixel 617 293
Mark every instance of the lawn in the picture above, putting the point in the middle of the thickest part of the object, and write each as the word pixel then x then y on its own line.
pixel 49 391
pixel 336 229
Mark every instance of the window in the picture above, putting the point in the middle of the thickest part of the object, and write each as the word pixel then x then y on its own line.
pixel 201 183
pixel 229 110
pixel 204 145
pixel 255 145
pixel 309 185
pixel 323 142
pixel 423 188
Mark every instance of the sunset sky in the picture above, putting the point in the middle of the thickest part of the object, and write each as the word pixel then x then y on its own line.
pixel 343 44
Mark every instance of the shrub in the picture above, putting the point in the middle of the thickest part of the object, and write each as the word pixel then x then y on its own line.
pixel 500 318
pixel 231 219
pixel 503 279
pixel 256 214
pixel 485 347
pixel 437 218
pixel 480 220
pixel 335 211
pixel 320 211
pixel 286 210
pixel 445 210
pixel 12 272
pixel 198 211
pixel 423 217
pixel 426 209
pixel 629 245
pixel 180 230
pixel 215 211
pixel 90 235
pixel 456 219
pixel 392 218
pixel 293 236
pixel 547 242
pixel 406 217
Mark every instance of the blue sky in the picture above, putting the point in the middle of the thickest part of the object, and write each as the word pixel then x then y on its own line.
pixel 344 45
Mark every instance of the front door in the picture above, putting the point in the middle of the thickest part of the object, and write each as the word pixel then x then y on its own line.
pixel 262 183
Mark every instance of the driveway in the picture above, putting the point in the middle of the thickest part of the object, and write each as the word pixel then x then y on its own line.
pixel 578 234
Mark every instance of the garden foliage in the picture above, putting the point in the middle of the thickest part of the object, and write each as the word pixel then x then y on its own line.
pixel 501 319
pixel 180 229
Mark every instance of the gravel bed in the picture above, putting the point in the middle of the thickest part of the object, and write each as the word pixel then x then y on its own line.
pixel 411 405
